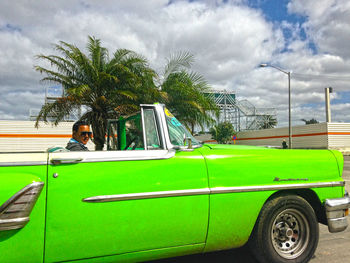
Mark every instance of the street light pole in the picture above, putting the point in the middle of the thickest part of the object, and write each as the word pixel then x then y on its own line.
pixel 289 101
pixel 290 114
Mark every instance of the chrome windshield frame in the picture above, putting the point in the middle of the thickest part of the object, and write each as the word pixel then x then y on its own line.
pixel 164 133
pixel 144 137
pixel 160 114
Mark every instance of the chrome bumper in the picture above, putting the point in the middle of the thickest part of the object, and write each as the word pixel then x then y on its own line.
pixel 335 212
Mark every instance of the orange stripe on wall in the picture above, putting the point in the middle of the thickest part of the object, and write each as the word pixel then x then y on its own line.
pixel 13 135
pixel 35 135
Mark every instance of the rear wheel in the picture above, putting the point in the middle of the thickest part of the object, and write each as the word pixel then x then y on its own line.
pixel 286 231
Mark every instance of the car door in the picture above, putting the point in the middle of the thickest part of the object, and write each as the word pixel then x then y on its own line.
pixel 113 202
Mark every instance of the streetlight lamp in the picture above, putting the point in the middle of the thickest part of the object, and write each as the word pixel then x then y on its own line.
pixel 289 101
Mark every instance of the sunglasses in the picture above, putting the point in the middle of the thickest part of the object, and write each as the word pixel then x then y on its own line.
pixel 86 133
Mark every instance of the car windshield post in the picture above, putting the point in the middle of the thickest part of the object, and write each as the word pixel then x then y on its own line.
pixel 121 133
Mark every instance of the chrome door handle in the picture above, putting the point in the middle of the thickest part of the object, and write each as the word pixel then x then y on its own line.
pixel 56 161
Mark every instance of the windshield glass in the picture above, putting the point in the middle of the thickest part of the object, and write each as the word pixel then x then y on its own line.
pixel 177 131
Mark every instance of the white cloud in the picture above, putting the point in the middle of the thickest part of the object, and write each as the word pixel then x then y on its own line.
pixel 229 40
pixel 17 104
pixel 328 24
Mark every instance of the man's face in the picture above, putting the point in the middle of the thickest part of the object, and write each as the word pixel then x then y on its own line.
pixel 83 134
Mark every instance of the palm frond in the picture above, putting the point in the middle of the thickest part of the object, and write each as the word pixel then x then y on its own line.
pixel 56 110
pixel 107 87
pixel 97 54
pixel 178 62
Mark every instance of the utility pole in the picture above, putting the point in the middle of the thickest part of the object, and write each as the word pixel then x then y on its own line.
pixel 288 73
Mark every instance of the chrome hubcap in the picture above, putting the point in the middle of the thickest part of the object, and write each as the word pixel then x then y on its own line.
pixel 290 233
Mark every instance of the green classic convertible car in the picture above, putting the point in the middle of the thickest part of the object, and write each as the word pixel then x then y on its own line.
pixel 156 192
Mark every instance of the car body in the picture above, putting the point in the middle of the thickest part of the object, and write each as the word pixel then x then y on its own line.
pixel 156 192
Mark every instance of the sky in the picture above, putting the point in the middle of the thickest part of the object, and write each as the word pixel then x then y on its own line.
pixel 229 39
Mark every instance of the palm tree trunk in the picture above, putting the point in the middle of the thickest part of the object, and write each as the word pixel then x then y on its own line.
pixel 99 130
pixel 99 146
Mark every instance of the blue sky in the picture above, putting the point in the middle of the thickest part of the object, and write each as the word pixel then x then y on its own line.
pixel 276 11
pixel 229 39
pixel 344 97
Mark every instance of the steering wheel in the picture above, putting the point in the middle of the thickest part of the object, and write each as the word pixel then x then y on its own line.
pixel 135 140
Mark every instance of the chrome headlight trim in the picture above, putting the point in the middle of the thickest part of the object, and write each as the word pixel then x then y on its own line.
pixel 14 213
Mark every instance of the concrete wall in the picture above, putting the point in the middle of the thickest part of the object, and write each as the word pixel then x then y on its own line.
pixel 22 136
pixel 339 136
pixel 320 135
pixel 19 136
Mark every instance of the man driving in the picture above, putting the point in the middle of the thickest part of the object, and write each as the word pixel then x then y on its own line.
pixel 80 137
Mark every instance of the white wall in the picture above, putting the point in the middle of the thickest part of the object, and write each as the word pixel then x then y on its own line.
pixel 22 136
pixel 19 136
pixel 339 136
pixel 320 135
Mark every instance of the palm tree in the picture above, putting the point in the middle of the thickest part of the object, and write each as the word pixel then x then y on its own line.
pixel 222 132
pixel 106 87
pixel 183 92
pixel 311 121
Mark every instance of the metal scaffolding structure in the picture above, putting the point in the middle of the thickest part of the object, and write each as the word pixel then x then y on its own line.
pixel 241 113
pixel 51 95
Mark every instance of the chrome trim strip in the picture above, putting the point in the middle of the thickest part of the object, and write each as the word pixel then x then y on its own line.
pixel 2 164
pixel 24 190
pixel 13 223
pixel 242 189
pixel 15 215
pixel 111 156
pixel 146 195
pixel 130 158
pixel 66 160
pixel 204 191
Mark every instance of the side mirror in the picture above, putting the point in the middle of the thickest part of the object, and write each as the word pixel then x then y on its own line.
pixel 189 143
